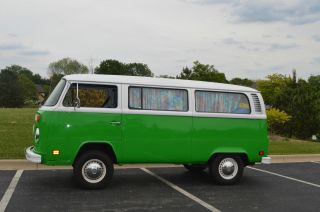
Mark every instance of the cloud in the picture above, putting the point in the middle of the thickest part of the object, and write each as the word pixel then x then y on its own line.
pixel 181 60
pixel 276 68
pixel 257 46
pixel 289 36
pixel 316 38
pixel 21 49
pixel 267 36
pixel 13 35
pixel 204 2
pixel 252 49
pixel 296 12
pixel 231 41
pixel 11 46
pixel 280 46
pixel 316 60
pixel 34 53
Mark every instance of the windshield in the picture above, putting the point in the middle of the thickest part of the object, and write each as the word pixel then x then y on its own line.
pixel 54 96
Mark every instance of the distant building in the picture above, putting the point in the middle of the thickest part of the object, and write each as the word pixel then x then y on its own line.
pixel 41 94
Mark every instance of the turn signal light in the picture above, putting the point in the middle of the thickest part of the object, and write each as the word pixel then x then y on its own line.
pixel 56 152
pixel 261 152
pixel 37 117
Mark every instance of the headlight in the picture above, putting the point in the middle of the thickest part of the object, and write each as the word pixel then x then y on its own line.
pixel 37 135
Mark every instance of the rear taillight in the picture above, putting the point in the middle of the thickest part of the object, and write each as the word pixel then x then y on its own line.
pixel 37 118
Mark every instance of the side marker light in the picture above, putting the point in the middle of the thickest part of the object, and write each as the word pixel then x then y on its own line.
pixel 56 152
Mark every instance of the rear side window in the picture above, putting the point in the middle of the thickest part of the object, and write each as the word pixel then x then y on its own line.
pixel 164 99
pixel 96 96
pixel 221 102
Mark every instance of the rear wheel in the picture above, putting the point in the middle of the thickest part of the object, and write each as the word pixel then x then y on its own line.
pixel 195 167
pixel 93 170
pixel 226 169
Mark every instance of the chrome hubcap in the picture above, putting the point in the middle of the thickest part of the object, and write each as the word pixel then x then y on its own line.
pixel 93 171
pixel 228 168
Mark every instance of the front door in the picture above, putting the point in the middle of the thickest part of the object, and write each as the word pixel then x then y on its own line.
pixel 96 120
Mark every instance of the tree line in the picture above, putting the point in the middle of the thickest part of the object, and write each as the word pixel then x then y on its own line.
pixel 293 104
pixel 298 100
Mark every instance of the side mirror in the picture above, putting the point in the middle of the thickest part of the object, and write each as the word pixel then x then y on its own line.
pixel 77 103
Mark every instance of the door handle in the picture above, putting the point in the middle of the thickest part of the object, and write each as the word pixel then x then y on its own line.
pixel 115 122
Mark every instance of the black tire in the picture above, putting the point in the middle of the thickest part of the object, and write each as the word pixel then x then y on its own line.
pixel 93 170
pixel 195 168
pixel 230 174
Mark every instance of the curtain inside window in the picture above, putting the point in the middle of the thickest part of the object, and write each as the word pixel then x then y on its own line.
pixel 158 99
pixel 218 102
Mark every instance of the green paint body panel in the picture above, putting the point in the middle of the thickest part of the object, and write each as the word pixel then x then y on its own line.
pixel 149 138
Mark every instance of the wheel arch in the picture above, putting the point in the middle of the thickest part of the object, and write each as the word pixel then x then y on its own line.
pixel 97 145
pixel 242 154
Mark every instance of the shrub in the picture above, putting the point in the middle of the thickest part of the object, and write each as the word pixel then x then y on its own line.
pixel 276 119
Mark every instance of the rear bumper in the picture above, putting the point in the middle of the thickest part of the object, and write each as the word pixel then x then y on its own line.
pixel 32 156
pixel 266 160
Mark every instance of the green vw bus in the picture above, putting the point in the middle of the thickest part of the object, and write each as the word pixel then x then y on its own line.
pixel 95 121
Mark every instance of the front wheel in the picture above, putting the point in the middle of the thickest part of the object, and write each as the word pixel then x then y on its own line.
pixel 93 170
pixel 226 169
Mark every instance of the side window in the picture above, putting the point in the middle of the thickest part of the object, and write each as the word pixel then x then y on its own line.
pixel 220 102
pixel 158 99
pixel 96 96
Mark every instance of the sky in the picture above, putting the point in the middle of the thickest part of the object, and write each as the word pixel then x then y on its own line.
pixel 242 38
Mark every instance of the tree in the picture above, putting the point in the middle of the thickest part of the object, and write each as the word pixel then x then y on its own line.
pixel 19 83
pixel 304 104
pixel 115 67
pixel 138 69
pixel 297 97
pixel 10 95
pixel 37 79
pixel 63 67
pixel 67 66
pixel 202 72
pixel 244 82
pixel 272 88
pixel 54 80
pixel 28 90
pixel 186 73
pixel 276 118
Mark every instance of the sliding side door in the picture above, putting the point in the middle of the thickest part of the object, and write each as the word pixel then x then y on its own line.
pixel 157 125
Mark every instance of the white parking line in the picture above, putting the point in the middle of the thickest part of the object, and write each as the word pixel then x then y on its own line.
pixel 283 176
pixel 182 191
pixel 7 196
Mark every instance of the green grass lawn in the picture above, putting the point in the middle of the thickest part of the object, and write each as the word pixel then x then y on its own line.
pixel 282 147
pixel 15 131
pixel 16 135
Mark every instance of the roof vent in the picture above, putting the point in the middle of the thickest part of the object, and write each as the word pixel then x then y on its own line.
pixel 256 102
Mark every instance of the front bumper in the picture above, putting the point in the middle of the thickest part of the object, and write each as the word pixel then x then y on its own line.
pixel 32 156
pixel 266 160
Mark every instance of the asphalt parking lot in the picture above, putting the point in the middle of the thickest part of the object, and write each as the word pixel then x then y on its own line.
pixel 275 187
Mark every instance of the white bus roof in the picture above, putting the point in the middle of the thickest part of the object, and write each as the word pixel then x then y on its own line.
pixel 153 81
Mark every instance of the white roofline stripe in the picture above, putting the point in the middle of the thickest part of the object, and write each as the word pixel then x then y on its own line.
pixel 151 81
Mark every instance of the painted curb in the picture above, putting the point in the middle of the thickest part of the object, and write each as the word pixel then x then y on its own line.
pixel 26 165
